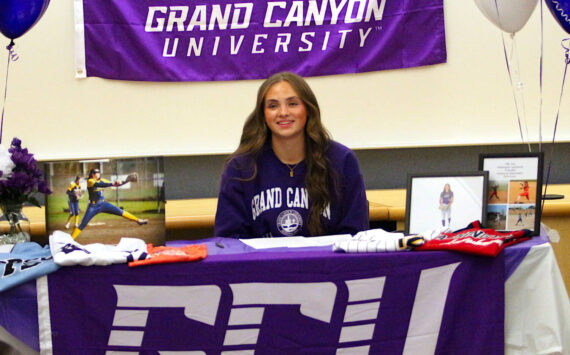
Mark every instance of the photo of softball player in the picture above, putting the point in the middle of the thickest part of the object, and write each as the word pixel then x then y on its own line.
pixel 449 201
pixel 497 192
pixel 521 217
pixel 445 201
pixel 125 199
pixel 97 203
pixel 497 217
pixel 522 191
pixel 74 194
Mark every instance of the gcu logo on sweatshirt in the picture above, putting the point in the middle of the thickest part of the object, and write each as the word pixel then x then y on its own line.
pixel 289 222
pixel 355 317
pixel 272 198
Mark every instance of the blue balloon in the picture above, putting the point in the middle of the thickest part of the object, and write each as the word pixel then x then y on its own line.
pixel 560 9
pixel 18 16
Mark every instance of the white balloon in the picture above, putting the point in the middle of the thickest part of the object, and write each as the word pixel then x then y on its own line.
pixel 511 16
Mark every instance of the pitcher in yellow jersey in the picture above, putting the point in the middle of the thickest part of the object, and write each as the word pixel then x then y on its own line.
pixel 97 203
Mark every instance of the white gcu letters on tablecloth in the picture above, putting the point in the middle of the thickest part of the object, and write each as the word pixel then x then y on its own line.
pixel 316 300
pixel 199 303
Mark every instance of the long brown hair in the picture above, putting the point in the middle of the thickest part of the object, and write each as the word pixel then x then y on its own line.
pixel 320 178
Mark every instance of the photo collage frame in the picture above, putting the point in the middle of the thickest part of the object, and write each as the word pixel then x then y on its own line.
pixel 515 190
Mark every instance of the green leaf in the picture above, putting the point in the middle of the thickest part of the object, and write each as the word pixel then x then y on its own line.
pixel 34 201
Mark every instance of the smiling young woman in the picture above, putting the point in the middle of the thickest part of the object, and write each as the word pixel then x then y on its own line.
pixel 287 177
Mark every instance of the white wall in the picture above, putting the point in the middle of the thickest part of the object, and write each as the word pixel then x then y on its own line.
pixel 467 100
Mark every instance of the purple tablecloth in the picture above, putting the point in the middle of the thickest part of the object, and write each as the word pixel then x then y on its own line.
pixel 305 300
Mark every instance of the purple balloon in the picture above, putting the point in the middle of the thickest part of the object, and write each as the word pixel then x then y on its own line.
pixel 18 16
pixel 560 9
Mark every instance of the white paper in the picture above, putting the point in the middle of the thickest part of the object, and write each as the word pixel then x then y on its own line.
pixel 295 242
pixel 6 248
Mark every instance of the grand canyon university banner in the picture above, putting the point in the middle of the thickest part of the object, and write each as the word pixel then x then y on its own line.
pixel 181 40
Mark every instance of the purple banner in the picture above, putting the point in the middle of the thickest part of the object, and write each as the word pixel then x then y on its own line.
pixel 176 40
pixel 291 302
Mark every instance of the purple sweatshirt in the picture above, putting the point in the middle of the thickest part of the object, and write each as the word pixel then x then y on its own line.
pixel 275 204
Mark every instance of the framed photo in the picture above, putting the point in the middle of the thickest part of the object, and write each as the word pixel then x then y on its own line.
pixel 515 190
pixel 451 200
pixel 101 201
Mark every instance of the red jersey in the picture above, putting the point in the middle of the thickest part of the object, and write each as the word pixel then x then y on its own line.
pixel 476 240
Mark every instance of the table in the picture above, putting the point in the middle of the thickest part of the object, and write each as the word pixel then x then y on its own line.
pixel 308 300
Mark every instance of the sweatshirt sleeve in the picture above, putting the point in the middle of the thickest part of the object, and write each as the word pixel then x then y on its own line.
pixel 233 217
pixel 354 204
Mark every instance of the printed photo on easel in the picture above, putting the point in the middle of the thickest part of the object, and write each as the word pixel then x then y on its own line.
pixel 103 200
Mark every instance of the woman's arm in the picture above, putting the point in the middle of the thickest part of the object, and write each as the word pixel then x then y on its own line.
pixel 233 217
pixel 102 183
pixel 354 204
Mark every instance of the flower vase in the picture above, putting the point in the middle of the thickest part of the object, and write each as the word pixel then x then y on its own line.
pixel 14 225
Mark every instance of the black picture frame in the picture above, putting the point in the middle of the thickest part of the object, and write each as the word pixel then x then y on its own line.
pixel 425 210
pixel 514 191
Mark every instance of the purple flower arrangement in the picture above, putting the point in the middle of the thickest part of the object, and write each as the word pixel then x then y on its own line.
pixel 20 177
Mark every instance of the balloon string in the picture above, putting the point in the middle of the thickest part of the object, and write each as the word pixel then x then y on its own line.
pixel 567 61
pixel 514 91
pixel 511 78
pixel 519 85
pixel 11 56
pixel 540 78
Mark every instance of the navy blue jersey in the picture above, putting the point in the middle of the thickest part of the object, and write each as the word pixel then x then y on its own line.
pixel 94 188
pixel 72 192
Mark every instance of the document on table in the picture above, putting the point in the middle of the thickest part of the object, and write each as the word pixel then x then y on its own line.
pixel 6 248
pixel 295 242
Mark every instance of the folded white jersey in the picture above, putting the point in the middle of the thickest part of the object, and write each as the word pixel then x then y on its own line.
pixel 434 233
pixel 378 241
pixel 67 252
pixel 376 234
